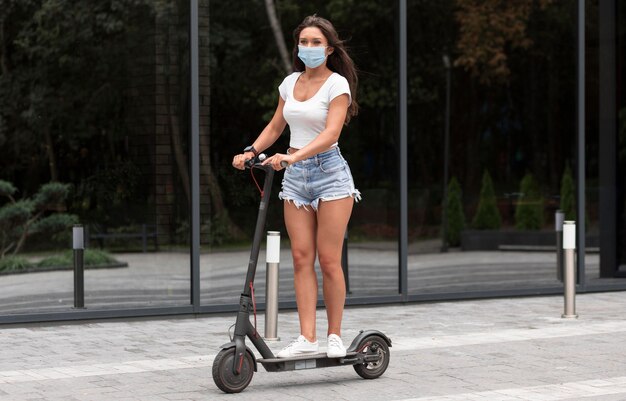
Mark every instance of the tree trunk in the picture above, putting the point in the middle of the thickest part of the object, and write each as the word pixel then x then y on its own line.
pixel 179 155
pixel 52 161
pixel 172 112
pixel 278 34
pixel 3 51
pixel 25 228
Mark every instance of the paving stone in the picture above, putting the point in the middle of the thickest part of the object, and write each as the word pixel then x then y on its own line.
pixel 496 349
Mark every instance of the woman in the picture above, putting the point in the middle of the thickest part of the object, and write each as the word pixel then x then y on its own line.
pixel 317 189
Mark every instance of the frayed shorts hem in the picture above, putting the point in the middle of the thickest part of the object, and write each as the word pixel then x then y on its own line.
pixel 315 203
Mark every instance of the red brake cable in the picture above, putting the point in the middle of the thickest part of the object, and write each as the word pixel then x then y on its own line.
pixel 256 182
pixel 253 307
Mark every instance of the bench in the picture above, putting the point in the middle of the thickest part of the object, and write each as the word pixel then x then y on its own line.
pixel 101 234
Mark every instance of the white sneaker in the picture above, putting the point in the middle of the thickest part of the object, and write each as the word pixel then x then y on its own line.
pixel 301 346
pixel 335 347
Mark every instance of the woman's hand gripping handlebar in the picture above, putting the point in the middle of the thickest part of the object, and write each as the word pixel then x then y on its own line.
pixel 279 161
pixel 257 162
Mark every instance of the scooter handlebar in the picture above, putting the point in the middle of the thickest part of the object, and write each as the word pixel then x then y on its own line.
pixel 256 162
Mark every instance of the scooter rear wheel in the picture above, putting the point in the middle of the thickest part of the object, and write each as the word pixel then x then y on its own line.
pixel 223 375
pixel 373 345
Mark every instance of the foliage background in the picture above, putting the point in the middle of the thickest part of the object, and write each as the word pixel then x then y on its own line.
pixel 66 69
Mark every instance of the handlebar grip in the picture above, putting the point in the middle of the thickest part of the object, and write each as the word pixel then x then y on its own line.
pixel 255 161
pixel 284 164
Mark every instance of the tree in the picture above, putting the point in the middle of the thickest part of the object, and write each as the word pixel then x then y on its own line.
pixel 488 29
pixel 529 211
pixel 513 72
pixel 56 89
pixel 487 214
pixel 22 218
pixel 270 7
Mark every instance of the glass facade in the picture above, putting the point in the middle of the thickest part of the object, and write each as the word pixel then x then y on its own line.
pixel 511 128
pixel 97 97
pixel 621 133
pixel 97 127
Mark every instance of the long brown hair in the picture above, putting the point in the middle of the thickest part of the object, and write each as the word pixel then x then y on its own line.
pixel 338 61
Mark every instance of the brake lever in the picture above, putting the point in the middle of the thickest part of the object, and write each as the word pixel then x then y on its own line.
pixel 255 162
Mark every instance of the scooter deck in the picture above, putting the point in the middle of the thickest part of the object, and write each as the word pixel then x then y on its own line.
pixel 310 361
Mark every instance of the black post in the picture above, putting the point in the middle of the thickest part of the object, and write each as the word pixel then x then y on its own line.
pixel 446 146
pixel 607 113
pixel 194 101
pixel 344 262
pixel 79 268
pixel 403 152
pixel 144 238
pixel 559 217
pixel 580 162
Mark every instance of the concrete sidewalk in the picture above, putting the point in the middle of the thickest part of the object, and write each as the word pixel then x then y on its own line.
pixel 498 349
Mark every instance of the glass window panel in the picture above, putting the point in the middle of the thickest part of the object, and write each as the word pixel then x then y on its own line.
pixel 99 99
pixel 245 71
pixel 620 55
pixel 512 123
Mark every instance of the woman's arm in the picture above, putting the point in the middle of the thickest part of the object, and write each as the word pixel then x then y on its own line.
pixel 273 130
pixel 267 137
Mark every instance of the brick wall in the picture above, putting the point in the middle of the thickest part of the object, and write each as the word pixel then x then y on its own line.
pixel 161 69
pixel 205 113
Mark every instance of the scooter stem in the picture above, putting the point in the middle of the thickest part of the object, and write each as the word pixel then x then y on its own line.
pixel 260 226
pixel 243 326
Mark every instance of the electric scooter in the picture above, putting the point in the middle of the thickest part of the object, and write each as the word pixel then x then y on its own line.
pixel 235 364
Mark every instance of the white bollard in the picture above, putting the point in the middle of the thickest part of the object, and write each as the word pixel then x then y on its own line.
pixel 569 269
pixel 271 286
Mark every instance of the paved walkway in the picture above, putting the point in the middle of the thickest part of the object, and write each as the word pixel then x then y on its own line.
pixel 498 349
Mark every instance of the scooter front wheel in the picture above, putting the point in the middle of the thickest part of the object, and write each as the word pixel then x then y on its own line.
pixel 373 345
pixel 223 374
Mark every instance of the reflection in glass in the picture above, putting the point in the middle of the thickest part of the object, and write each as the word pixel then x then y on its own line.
pixel 99 100
pixel 511 152
pixel 244 95
pixel 621 139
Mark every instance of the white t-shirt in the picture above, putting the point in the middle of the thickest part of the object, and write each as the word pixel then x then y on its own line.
pixel 307 119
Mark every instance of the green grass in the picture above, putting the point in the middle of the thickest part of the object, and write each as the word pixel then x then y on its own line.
pixel 92 257
pixel 14 264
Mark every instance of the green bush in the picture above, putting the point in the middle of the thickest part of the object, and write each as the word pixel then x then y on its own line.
pixel 454 213
pixel 487 214
pixel 529 210
pixel 95 257
pixel 20 219
pixel 7 189
pixel 14 264
pixel 92 257
pixel 568 195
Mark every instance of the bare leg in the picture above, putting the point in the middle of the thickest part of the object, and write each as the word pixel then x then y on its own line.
pixel 301 227
pixel 332 220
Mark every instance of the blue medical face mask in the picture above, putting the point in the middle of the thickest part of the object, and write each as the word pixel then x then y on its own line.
pixel 312 57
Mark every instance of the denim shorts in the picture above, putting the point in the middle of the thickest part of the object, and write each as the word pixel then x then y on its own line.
pixel 323 177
